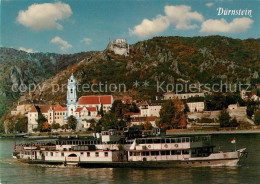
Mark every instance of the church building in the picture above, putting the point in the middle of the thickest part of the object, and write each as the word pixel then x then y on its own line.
pixel 86 107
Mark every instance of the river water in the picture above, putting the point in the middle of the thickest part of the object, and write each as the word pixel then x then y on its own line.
pixel 248 172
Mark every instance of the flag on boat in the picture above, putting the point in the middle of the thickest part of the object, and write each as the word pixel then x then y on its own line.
pixel 233 140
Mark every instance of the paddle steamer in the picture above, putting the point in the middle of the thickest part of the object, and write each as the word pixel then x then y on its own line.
pixel 130 149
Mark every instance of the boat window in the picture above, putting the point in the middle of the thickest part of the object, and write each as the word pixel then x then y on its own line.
pixel 97 154
pixel 88 154
pixel 46 153
pixel 149 141
pixel 163 152
pixel 62 154
pixel 178 140
pixel 168 140
pixel 154 153
pixel 156 141
pixel 185 152
pixel 178 152
pixel 142 141
pixel 81 153
pixel 51 154
pixel 167 152
pixel 131 153
pixel 162 140
pixel 106 154
pixel 136 153
pixel 145 153
pixel 173 152
pixel 173 141
pixel 193 151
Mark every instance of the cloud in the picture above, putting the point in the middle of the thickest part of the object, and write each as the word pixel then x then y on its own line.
pixel 209 4
pixel 150 27
pixel 237 25
pixel 181 16
pixel 27 50
pixel 87 41
pixel 44 16
pixel 64 45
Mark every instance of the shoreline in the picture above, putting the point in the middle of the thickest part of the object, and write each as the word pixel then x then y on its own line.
pixel 213 132
pixel 169 133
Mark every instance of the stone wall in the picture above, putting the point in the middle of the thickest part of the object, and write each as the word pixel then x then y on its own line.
pixel 239 114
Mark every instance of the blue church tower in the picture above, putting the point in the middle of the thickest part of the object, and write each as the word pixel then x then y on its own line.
pixel 71 96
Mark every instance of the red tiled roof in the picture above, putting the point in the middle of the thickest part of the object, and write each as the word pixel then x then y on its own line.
pixel 79 109
pixel 151 118
pixel 131 114
pixel 89 100
pixel 33 109
pixel 142 103
pixel 45 108
pixel 59 108
pixel 106 99
pixel 95 100
pixel 92 109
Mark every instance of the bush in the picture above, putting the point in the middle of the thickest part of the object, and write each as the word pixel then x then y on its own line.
pixel 257 118
pixel 224 119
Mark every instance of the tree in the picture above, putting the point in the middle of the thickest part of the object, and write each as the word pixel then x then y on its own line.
pixel 41 120
pixel 224 118
pixel 109 121
pixel 258 92
pixel 46 126
pixel 148 125
pixel 186 108
pixel 22 124
pixel 233 122
pixel 72 122
pixel 134 108
pixel 257 117
pixel 101 111
pixel 92 124
pixel 252 107
pixel 167 113
pixel 117 108
pixel 55 126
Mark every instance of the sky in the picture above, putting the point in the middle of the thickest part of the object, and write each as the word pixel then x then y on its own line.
pixel 71 26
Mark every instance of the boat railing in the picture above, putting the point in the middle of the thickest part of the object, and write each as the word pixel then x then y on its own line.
pixel 173 140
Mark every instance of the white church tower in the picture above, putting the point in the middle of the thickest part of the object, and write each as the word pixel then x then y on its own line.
pixel 71 96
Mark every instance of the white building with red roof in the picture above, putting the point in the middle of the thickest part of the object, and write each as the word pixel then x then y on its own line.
pixel 104 101
pixel 53 114
pixel 86 107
